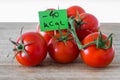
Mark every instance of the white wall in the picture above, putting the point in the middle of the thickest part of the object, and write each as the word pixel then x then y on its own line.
pixel 27 10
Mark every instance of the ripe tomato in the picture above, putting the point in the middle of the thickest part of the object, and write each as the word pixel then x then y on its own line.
pixel 46 35
pixel 88 24
pixel 30 49
pixel 63 52
pixel 97 57
pixel 72 11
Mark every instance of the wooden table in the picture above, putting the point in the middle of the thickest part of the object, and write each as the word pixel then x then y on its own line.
pixel 50 70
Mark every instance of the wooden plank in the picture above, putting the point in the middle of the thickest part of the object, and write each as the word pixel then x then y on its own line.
pixel 49 70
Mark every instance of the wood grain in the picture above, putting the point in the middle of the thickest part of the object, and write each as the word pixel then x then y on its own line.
pixel 49 70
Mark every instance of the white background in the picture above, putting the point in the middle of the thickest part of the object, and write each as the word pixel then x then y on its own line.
pixel 27 10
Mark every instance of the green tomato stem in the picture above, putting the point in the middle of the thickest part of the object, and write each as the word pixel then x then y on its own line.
pixel 73 31
pixel 100 43
pixel 91 43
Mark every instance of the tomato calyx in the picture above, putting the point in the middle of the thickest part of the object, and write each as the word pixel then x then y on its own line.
pixel 62 37
pixel 100 43
pixel 20 47
pixel 79 22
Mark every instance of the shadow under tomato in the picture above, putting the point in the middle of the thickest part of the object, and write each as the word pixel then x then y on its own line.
pixel 48 62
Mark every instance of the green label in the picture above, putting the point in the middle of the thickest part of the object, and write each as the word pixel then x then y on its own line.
pixel 52 19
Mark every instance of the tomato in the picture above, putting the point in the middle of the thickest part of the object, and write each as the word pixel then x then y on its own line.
pixel 72 11
pixel 63 50
pixel 30 49
pixel 47 35
pixel 97 57
pixel 87 25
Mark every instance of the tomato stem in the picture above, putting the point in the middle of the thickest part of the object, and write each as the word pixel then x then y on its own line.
pixel 73 31
pixel 100 43
pixel 91 43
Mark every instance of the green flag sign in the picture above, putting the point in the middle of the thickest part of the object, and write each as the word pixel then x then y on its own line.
pixel 52 19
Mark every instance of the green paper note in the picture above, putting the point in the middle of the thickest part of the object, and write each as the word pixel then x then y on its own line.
pixel 52 19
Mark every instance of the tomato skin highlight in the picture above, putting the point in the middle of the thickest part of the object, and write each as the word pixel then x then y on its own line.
pixel 37 49
pixel 61 52
pixel 96 57
pixel 72 11
pixel 90 25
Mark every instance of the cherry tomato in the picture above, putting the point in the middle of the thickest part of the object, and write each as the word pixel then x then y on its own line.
pixel 72 11
pixel 88 24
pixel 62 50
pixel 30 49
pixel 97 57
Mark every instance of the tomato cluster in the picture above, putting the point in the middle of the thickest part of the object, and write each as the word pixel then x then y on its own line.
pixel 64 46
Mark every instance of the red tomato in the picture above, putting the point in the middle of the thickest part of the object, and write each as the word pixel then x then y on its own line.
pixel 96 57
pixel 63 52
pixel 72 11
pixel 90 25
pixel 47 35
pixel 32 50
